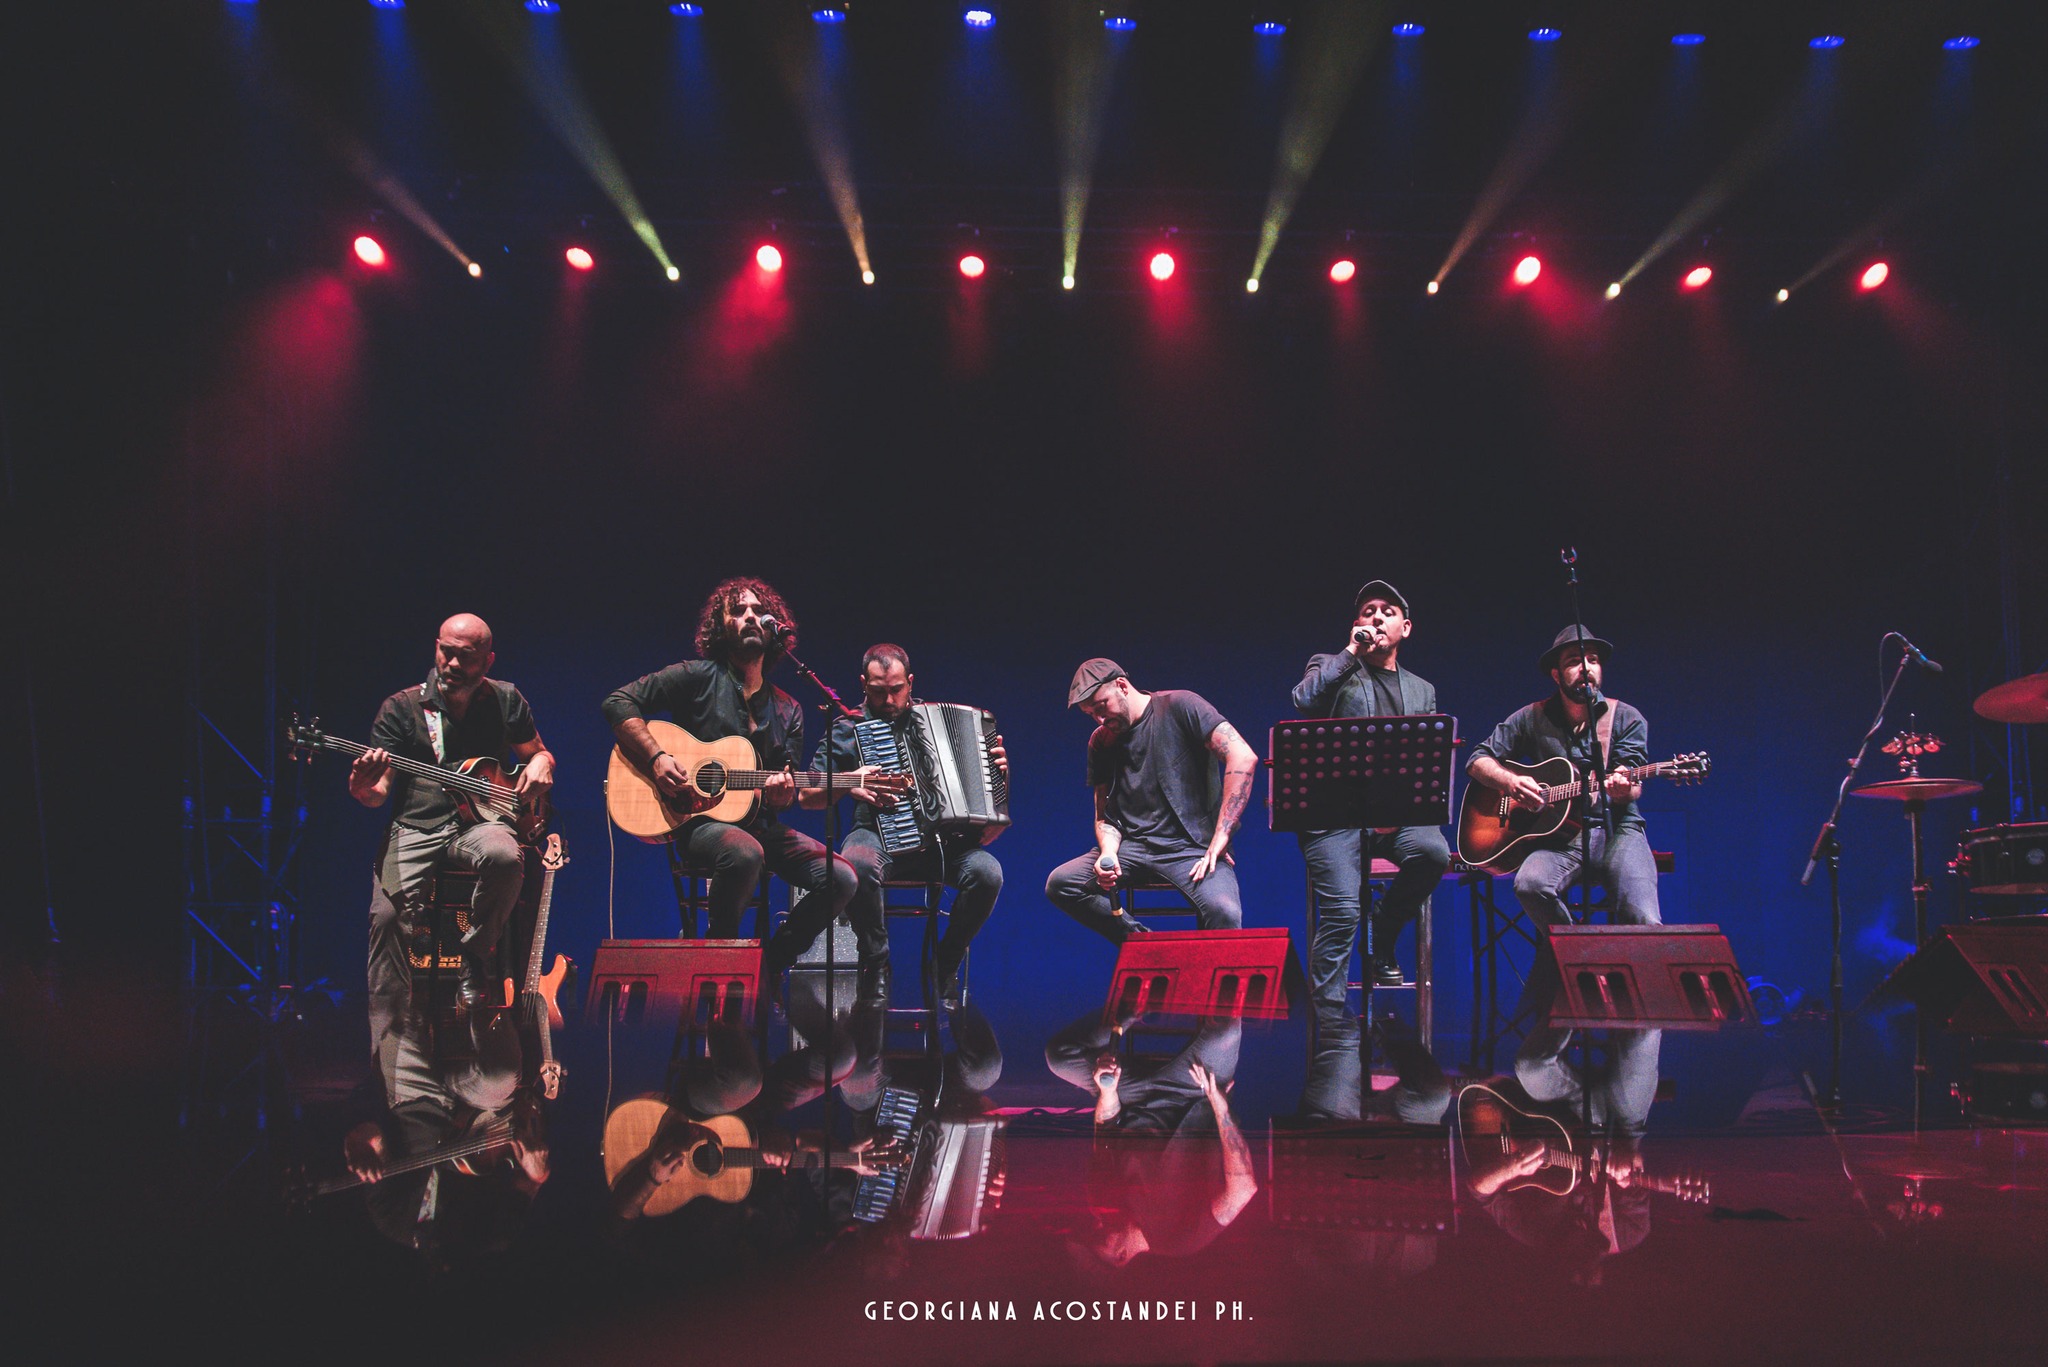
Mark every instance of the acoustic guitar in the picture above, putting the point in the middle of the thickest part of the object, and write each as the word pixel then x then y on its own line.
pixel 1496 832
pixel 1495 1133
pixel 483 789
pixel 725 782
pixel 721 1166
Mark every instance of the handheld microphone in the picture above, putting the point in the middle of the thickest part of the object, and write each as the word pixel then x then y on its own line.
pixel 1913 654
pixel 1365 636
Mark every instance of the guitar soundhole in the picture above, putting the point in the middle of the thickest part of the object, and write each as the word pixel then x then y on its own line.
pixel 709 1159
pixel 711 779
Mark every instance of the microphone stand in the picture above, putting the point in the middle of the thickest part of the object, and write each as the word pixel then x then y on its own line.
pixel 1827 846
pixel 834 710
pixel 1569 558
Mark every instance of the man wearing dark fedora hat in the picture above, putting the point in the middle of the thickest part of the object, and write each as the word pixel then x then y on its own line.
pixel 1365 679
pixel 1592 731
pixel 1573 722
pixel 1159 810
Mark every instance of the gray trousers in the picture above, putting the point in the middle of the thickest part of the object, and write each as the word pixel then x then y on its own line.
pixel 973 872
pixel 1339 867
pixel 1073 889
pixel 1628 870
pixel 405 865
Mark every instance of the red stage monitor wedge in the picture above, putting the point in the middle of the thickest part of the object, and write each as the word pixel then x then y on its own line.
pixel 1215 973
pixel 1647 977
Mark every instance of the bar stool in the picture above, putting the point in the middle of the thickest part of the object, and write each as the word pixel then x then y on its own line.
pixel 1423 984
pixel 1162 898
pixel 925 900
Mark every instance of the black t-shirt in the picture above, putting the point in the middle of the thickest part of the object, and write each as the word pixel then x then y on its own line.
pixel 1386 685
pixel 707 700
pixel 497 720
pixel 1161 777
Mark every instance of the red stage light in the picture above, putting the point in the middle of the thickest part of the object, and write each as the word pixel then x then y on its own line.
pixel 1341 272
pixel 1527 269
pixel 580 259
pixel 768 258
pixel 1698 276
pixel 1162 266
pixel 972 266
pixel 1878 273
pixel 369 251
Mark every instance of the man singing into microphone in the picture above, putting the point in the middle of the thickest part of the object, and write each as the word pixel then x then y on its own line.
pixel 743 631
pixel 1365 679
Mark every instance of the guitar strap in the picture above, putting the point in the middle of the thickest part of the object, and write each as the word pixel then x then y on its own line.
pixel 437 724
pixel 1603 735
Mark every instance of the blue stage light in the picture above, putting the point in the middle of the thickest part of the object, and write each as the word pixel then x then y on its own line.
pixel 1959 43
pixel 980 18
pixel 1409 30
pixel 1269 28
pixel 542 7
pixel 1828 40
pixel 1688 39
pixel 1119 23
pixel 828 16
pixel 1545 35
pixel 387 4
pixel 685 11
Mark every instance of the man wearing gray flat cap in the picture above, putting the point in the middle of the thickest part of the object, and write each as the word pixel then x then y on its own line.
pixel 1159 812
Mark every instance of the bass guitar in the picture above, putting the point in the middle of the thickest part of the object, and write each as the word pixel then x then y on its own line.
pixel 1496 832
pixel 538 997
pixel 725 782
pixel 720 1165
pixel 488 1139
pixel 1497 1135
pixel 483 789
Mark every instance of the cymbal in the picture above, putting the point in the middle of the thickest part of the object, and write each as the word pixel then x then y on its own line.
pixel 2018 701
pixel 1919 789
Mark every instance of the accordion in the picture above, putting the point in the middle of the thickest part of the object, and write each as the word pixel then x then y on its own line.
pixel 941 1191
pixel 956 784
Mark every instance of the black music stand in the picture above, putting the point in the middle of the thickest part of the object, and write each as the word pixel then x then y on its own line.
pixel 1361 773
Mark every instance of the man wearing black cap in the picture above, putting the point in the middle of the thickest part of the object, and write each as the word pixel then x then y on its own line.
pixel 1159 813
pixel 1365 679
pixel 1573 722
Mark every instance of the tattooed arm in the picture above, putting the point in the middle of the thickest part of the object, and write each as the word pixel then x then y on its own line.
pixel 1239 764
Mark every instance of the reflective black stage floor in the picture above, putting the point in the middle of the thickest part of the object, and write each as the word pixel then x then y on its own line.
pixel 1389 1237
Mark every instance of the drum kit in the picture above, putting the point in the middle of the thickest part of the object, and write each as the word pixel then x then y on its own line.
pixel 1993 861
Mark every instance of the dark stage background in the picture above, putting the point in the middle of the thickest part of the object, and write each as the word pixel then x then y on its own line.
pixel 209 408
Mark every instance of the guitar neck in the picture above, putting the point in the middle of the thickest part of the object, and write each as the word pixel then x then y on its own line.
pixel 540 938
pixel 758 778
pixel 412 768
pixel 490 1137
pixel 1565 792
pixel 751 1158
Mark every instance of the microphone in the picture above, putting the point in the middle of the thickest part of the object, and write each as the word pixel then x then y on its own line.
pixel 1913 654
pixel 773 626
pixel 1365 636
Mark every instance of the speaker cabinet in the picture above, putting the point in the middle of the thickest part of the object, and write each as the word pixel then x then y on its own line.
pixel 1216 973
pixel 1651 977
pixel 1984 978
